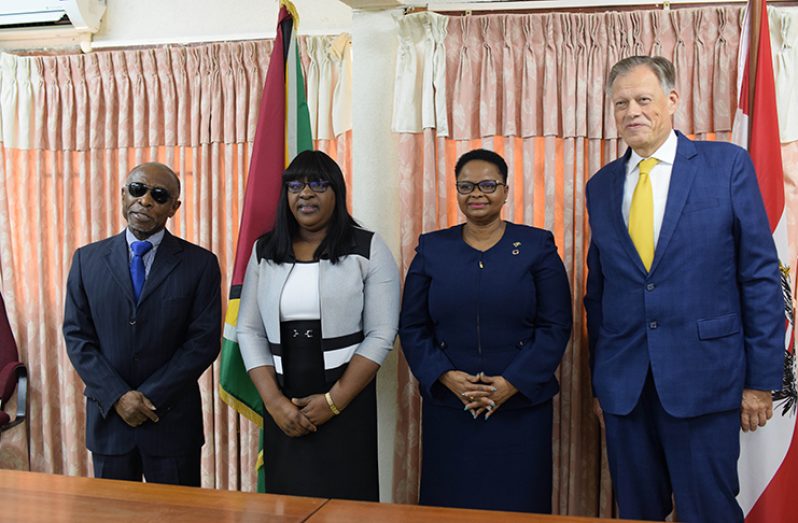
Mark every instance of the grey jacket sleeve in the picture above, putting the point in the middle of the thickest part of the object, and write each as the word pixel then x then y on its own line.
pixel 380 303
pixel 251 333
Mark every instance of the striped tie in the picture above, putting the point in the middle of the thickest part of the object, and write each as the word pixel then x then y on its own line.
pixel 641 214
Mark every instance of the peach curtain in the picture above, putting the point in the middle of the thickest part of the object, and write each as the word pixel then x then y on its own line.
pixel 531 87
pixel 72 127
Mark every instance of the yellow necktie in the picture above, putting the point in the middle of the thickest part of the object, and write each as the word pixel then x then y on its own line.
pixel 641 214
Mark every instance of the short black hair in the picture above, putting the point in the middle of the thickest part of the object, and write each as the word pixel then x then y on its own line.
pixel 311 166
pixel 484 155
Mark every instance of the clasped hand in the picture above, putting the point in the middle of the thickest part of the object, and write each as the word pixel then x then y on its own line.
pixel 135 408
pixel 300 416
pixel 479 394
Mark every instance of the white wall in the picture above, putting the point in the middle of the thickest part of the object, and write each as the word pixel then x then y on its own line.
pixel 375 181
pixel 141 22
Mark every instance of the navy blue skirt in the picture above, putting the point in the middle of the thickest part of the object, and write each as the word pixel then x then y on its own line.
pixel 503 463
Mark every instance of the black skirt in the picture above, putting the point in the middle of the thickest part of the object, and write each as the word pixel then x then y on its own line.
pixel 340 459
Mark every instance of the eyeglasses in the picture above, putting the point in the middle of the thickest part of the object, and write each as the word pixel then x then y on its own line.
pixel 485 186
pixel 138 189
pixel 297 187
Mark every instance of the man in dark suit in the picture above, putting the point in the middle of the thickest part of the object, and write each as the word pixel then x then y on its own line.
pixel 142 322
pixel 684 306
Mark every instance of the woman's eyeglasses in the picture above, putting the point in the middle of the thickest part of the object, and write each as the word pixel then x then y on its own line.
pixel 158 194
pixel 485 186
pixel 296 186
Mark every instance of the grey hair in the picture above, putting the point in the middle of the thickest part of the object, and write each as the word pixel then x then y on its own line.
pixel 660 66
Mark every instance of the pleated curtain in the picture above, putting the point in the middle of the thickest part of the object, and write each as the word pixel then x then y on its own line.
pixel 71 128
pixel 531 87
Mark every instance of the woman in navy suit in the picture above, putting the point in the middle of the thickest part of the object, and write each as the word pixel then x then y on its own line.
pixel 486 317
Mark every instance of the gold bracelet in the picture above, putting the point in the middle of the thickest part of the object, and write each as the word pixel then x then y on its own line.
pixel 333 408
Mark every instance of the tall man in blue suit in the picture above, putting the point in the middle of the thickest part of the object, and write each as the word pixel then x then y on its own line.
pixel 684 306
pixel 142 322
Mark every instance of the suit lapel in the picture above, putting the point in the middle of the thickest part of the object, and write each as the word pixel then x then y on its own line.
pixel 166 259
pixel 116 258
pixel 616 202
pixel 682 176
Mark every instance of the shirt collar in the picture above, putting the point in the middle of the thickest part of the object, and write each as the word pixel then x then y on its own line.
pixel 155 239
pixel 665 154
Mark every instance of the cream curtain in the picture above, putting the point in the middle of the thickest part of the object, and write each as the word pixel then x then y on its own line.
pixel 784 45
pixel 72 127
pixel 531 87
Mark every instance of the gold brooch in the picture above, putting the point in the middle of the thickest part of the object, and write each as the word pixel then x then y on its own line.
pixel 516 251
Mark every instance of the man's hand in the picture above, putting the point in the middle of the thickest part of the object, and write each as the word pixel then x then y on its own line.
pixel 135 408
pixel 315 408
pixel 756 409
pixel 289 418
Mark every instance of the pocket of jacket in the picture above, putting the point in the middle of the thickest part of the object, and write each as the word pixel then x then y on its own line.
pixel 718 327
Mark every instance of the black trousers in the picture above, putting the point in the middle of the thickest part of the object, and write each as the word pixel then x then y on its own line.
pixel 171 470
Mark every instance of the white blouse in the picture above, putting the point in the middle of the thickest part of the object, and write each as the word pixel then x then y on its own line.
pixel 300 297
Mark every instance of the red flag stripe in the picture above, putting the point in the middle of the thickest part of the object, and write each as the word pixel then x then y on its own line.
pixel 268 156
pixel 765 144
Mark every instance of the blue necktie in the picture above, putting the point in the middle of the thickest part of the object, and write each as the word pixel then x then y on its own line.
pixel 137 270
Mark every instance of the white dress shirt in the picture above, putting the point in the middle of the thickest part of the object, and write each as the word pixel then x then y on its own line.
pixel 660 177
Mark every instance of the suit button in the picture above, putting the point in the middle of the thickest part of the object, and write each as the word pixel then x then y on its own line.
pixel 521 343
pixel 653 325
pixel 650 286
pixel 443 344
pixel 132 321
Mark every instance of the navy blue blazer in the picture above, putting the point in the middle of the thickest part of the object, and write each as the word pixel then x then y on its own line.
pixel 708 318
pixel 505 311
pixel 159 346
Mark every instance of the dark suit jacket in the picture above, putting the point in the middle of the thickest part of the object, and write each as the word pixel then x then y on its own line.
pixel 505 311
pixel 708 318
pixel 159 346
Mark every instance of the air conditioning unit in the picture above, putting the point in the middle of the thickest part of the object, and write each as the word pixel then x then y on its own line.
pixel 49 24
pixel 30 22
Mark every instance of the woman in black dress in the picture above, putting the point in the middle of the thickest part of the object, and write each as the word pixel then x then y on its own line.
pixel 318 314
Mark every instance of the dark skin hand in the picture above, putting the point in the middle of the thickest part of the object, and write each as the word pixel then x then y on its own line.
pixel 285 414
pixel 478 393
pixel 358 374
pixel 300 416
pixel 135 408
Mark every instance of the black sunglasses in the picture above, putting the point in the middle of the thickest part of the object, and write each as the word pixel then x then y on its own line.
pixel 485 186
pixel 296 186
pixel 138 189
